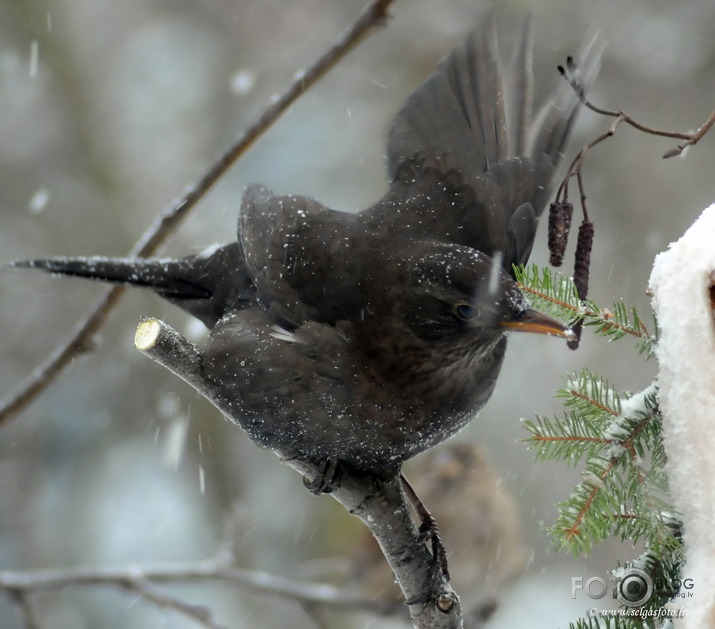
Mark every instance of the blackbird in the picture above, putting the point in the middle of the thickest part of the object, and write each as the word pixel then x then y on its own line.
pixel 366 338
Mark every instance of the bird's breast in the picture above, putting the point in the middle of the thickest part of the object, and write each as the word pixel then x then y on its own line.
pixel 434 380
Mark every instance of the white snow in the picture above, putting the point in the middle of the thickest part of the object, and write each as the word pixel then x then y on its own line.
pixel 495 273
pixel 174 437
pixel 34 56
pixel 242 82
pixel 680 282
pixel 635 405
pixel 38 201
pixel 195 331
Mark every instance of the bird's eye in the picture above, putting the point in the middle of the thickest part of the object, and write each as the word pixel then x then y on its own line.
pixel 466 311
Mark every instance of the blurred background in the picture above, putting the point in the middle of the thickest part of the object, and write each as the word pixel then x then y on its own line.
pixel 109 109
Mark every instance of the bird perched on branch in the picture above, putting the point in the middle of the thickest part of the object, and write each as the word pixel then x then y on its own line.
pixel 363 339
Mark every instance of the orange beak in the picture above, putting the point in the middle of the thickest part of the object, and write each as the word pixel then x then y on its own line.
pixel 538 323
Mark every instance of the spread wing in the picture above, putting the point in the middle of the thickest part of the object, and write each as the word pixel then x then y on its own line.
pixel 297 252
pixel 464 171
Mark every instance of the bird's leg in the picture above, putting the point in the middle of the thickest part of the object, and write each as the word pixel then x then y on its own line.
pixel 325 479
pixel 428 530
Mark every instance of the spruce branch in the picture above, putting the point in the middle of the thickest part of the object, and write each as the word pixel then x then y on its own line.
pixel 569 438
pixel 591 403
pixel 587 391
pixel 615 622
pixel 581 518
pixel 624 489
pixel 556 295
pixel 619 494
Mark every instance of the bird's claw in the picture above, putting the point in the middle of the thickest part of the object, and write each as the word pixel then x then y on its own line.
pixel 325 479
pixel 429 531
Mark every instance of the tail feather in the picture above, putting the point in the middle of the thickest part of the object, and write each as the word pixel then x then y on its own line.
pixel 207 285
pixel 161 275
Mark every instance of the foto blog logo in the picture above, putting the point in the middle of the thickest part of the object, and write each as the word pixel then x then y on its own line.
pixel 632 587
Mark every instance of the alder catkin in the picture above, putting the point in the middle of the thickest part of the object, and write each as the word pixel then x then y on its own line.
pixel 560 214
pixel 582 265
pixel 582 268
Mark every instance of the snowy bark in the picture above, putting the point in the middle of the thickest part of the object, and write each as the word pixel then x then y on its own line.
pixel 682 284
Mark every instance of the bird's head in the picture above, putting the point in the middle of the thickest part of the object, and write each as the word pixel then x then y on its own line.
pixel 446 291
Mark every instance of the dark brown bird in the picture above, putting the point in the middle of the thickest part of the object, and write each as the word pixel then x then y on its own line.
pixel 367 338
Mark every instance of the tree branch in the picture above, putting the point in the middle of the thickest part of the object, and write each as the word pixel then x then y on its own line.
pixel 22 599
pixel 200 614
pixel 377 500
pixel 571 75
pixel 374 14
pixel 143 580
pixel 561 206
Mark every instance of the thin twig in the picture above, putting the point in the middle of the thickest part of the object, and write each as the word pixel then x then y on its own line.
pixel 150 592
pixel 572 77
pixel 691 139
pixel 694 139
pixel 577 164
pixel 593 402
pixel 574 529
pixel 22 599
pixel 374 14
pixel 583 250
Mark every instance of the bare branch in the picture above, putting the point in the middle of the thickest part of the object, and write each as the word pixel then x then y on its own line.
pixel 374 14
pixel 143 580
pixel 577 164
pixel 570 74
pixel 558 239
pixel 377 500
pixel 695 137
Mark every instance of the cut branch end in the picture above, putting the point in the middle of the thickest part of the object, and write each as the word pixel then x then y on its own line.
pixel 147 333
